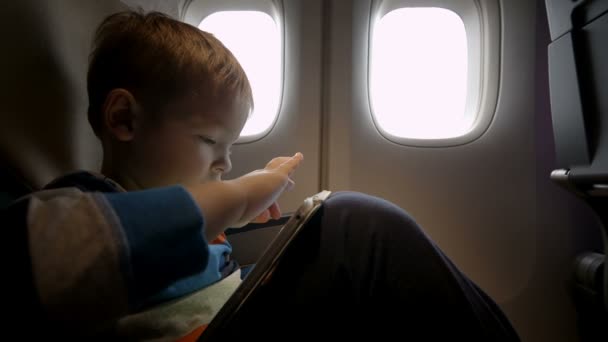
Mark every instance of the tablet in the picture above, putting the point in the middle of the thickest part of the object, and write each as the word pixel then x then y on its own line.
pixel 264 268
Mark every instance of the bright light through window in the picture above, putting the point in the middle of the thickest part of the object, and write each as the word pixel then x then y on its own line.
pixel 418 75
pixel 254 39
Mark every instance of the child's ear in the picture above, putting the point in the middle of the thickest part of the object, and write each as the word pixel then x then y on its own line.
pixel 120 111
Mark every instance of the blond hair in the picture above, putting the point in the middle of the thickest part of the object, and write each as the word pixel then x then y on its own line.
pixel 158 59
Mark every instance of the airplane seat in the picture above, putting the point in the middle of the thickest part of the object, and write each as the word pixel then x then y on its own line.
pixel 578 77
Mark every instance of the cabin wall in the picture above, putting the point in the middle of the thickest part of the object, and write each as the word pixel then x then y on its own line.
pixel 44 131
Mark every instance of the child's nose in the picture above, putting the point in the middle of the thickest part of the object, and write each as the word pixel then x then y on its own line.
pixel 223 165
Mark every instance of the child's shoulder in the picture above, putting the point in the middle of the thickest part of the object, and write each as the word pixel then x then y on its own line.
pixel 86 181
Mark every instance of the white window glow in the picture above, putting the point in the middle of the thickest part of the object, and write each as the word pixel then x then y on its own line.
pixel 254 39
pixel 418 74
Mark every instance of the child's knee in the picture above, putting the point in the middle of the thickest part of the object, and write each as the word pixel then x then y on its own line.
pixel 362 211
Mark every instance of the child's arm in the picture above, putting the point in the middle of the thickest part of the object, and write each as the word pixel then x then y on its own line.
pixel 235 203
pixel 93 257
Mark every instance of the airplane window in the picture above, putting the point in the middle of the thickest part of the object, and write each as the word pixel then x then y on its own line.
pixel 254 39
pixel 418 74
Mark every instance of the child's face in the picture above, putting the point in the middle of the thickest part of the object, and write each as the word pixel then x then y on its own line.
pixel 190 142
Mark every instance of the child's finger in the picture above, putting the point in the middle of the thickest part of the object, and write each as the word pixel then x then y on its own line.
pixel 276 162
pixel 275 211
pixel 262 218
pixel 290 165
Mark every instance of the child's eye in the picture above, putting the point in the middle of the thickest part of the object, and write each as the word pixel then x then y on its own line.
pixel 207 140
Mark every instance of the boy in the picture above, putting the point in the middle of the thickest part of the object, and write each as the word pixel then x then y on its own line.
pixel 167 102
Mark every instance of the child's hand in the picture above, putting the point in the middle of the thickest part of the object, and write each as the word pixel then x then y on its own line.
pixel 274 211
pixel 237 202
pixel 263 187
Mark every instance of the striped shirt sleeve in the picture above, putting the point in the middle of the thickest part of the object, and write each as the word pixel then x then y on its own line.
pixel 97 256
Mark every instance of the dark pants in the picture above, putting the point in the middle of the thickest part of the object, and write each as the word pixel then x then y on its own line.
pixel 362 268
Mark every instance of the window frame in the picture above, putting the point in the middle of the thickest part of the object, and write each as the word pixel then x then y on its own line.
pixel 482 26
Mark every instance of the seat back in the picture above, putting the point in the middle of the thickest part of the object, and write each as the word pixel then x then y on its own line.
pixel 578 76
